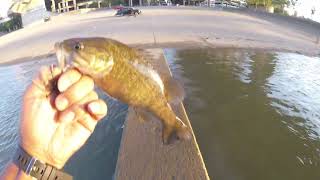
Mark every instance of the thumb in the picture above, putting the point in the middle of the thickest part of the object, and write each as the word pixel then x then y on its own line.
pixel 44 83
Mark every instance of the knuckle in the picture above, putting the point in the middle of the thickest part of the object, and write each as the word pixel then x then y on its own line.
pixel 79 111
pixel 71 74
pixel 94 95
pixel 87 80
pixel 56 71
pixel 87 122
pixel 74 72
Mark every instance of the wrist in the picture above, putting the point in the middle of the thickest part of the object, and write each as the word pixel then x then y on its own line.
pixel 43 156
pixel 22 175
pixel 28 167
pixel 12 171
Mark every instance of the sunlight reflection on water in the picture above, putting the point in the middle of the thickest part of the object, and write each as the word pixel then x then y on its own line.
pixel 256 114
pixel 295 90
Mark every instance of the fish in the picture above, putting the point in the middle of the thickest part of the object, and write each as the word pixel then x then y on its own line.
pixel 125 74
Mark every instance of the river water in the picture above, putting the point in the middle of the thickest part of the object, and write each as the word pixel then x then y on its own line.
pixel 256 115
pixel 95 160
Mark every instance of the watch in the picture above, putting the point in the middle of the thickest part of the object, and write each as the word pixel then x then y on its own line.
pixel 35 168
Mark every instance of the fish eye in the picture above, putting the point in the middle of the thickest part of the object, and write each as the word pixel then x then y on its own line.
pixel 78 46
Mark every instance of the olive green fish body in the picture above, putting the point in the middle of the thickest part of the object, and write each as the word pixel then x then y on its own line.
pixel 124 74
pixel 127 84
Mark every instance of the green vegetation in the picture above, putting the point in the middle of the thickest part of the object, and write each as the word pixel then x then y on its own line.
pixel 267 3
pixel 13 24
pixel 118 2
pixel 109 3
pixel 260 3
pixel 278 5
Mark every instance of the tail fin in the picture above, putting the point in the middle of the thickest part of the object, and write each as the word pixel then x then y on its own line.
pixel 180 131
pixel 174 91
pixel 167 134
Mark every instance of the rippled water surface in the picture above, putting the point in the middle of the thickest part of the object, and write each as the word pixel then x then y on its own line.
pixel 256 115
pixel 95 160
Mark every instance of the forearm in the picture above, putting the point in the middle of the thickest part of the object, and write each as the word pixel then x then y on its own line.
pixel 13 172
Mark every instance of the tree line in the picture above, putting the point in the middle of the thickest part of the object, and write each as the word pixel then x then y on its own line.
pixel 268 3
pixel 278 5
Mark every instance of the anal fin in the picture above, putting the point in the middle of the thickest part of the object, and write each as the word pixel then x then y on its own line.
pixel 142 114
pixel 173 90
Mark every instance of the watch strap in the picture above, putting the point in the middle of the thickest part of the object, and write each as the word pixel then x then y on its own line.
pixel 35 168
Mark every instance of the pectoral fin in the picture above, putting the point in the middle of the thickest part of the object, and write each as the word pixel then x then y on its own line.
pixel 173 90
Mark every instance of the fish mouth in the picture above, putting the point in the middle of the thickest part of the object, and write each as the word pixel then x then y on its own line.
pixel 61 55
pixel 65 59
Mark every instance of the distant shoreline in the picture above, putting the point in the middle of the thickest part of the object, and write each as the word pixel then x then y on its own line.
pixel 176 27
pixel 181 45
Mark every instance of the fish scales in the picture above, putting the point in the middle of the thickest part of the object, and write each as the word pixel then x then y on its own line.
pixel 123 73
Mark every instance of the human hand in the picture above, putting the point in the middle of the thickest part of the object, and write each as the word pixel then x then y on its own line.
pixel 55 125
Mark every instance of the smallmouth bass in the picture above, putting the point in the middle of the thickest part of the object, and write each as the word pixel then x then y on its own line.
pixel 123 73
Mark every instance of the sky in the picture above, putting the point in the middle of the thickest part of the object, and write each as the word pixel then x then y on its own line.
pixel 4 6
pixel 303 8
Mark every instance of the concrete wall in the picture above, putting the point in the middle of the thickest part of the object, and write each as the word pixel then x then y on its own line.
pixel 34 16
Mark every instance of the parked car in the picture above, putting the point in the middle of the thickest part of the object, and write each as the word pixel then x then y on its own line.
pixel 128 11
pixel 117 7
pixel 163 3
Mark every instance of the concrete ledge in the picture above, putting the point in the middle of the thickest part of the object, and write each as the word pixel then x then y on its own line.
pixel 143 156
pixel 157 26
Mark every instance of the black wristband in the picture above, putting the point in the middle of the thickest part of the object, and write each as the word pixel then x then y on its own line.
pixel 33 167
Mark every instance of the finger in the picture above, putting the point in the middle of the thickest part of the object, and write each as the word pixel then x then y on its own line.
pixel 78 114
pixel 69 114
pixel 74 93
pixel 45 75
pixel 55 71
pixel 49 73
pixel 87 121
pixel 90 97
pixel 39 86
pixel 67 79
pixel 97 109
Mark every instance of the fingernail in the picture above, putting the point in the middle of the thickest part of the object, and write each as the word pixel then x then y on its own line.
pixel 62 85
pixel 62 103
pixel 69 116
pixel 94 107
